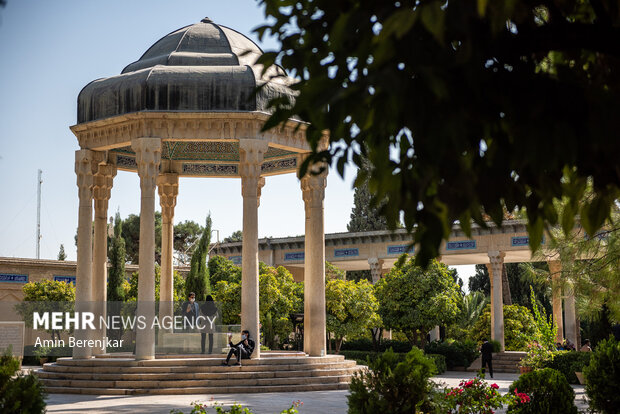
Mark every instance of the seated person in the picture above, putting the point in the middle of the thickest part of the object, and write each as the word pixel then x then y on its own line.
pixel 242 350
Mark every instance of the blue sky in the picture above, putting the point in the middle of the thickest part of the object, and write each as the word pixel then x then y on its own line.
pixel 50 50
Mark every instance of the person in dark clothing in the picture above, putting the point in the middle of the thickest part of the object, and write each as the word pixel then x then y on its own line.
pixel 242 350
pixel 189 310
pixel 209 311
pixel 487 356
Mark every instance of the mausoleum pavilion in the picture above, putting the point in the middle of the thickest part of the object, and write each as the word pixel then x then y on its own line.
pixel 188 108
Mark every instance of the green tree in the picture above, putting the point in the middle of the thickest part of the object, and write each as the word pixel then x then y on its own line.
pixel 46 296
pixel 186 235
pixel 462 107
pixel 220 268
pixel 364 215
pixel 470 309
pixel 198 278
pixel 178 286
pixel 236 236
pixel 351 309
pixel 595 279
pixel 414 300
pixel 278 298
pixel 131 234
pixel 116 275
pixel 519 327
pixel 334 272
pixel 61 253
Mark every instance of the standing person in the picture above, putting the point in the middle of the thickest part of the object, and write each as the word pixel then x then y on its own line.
pixel 209 311
pixel 189 310
pixel 487 356
pixel 242 350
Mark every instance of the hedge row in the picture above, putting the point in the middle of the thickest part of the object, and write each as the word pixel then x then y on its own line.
pixel 569 362
pixel 362 358
pixel 366 345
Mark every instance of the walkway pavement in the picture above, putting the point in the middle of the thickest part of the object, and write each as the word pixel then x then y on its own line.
pixel 315 402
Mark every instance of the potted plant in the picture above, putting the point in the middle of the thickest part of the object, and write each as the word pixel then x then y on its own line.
pixel 42 352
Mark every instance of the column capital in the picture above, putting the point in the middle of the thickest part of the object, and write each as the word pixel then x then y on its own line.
pixel 168 189
pixel 84 172
pixel 313 188
pixel 103 179
pixel 251 155
pixel 496 257
pixel 148 157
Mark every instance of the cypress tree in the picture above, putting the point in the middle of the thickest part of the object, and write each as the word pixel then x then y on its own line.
pixel 198 277
pixel 365 217
pixel 61 254
pixel 117 261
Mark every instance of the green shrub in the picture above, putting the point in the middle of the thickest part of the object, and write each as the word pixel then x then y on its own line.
pixel 497 346
pixel 603 377
pixel 392 386
pixel 519 327
pixel 19 393
pixel 362 358
pixel 365 344
pixel 567 363
pixel 549 391
pixel 457 354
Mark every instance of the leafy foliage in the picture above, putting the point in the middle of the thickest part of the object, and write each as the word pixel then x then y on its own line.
pixel 236 236
pixel 595 280
pixel 116 275
pixel 546 329
pixel 46 296
pixel 603 377
pixel 392 386
pixel 457 354
pixel 351 308
pixel 470 309
pixel 365 216
pixel 568 362
pixel 186 236
pixel 279 296
pixel 549 392
pixel 61 253
pixel 178 286
pixel 476 396
pixel 445 100
pixel 19 393
pixel 197 280
pixel 414 300
pixel 518 327
pixel 220 268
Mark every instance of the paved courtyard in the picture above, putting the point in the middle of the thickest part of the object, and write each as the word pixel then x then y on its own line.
pixel 316 402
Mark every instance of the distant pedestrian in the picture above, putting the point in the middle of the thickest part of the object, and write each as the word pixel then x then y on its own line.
pixel 487 356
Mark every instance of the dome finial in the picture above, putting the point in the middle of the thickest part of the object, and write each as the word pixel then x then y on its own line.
pixel 206 20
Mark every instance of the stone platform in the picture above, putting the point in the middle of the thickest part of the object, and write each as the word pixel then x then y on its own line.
pixel 197 374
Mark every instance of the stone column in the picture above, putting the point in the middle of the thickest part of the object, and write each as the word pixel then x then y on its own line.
pixel 376 268
pixel 148 157
pixel 168 188
pixel 102 185
pixel 83 273
pixel 435 334
pixel 313 188
pixel 555 269
pixel 496 260
pixel 570 317
pixel 251 153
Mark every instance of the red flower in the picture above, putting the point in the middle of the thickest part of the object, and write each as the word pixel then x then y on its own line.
pixel 494 386
pixel 469 383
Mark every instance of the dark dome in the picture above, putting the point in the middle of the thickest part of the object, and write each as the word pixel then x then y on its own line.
pixel 201 67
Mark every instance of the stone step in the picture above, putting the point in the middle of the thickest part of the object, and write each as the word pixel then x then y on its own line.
pixel 222 383
pixel 199 390
pixel 55 367
pixel 195 375
pixel 192 362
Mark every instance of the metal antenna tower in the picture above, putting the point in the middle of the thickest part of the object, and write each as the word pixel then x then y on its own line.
pixel 39 181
